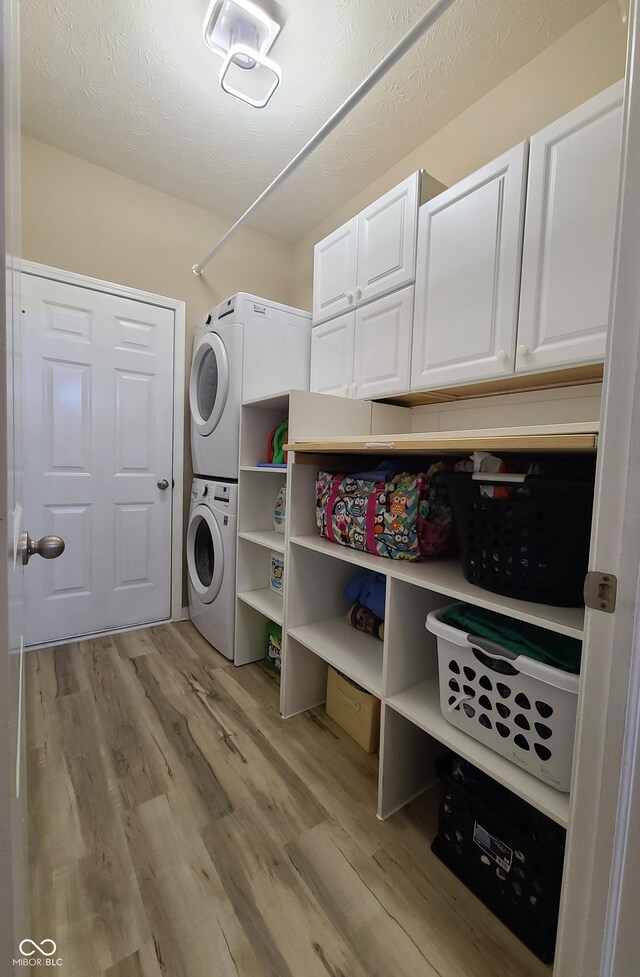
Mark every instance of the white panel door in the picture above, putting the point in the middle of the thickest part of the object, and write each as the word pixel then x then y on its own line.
pixel 332 356
pixel 569 236
pixel 334 272
pixel 387 232
pixel 98 396
pixel 382 347
pixel 468 277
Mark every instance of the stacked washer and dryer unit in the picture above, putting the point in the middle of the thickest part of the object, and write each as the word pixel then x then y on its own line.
pixel 244 349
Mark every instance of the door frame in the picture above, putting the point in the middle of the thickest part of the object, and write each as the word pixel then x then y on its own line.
pixel 177 306
pixel 598 931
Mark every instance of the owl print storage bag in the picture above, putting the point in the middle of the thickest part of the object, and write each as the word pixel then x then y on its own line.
pixel 402 517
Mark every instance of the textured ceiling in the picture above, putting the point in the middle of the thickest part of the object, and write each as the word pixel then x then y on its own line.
pixel 130 85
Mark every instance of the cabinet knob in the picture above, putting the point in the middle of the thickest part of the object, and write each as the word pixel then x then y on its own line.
pixel 358 293
pixel 502 355
pixel 523 350
pixel 350 298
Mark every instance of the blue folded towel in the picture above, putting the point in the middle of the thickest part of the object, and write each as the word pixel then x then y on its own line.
pixel 369 589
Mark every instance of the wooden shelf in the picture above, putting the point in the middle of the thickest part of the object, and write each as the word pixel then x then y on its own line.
pixel 263 468
pixel 421 706
pixel 578 437
pixel 266 601
pixel 355 654
pixel 269 538
pixel 445 577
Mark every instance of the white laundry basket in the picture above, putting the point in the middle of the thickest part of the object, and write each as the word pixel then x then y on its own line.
pixel 519 707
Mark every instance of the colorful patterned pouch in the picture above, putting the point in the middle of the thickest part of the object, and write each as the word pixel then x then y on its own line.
pixel 403 518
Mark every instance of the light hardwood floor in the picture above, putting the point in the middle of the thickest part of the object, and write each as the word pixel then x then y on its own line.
pixel 179 828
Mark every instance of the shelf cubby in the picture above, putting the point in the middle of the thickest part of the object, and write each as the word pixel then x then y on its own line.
pixel 266 601
pixel 445 577
pixel 267 538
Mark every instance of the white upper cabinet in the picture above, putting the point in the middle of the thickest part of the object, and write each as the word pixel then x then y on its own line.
pixel 468 276
pixel 332 356
pixel 334 272
pixel 387 241
pixel 371 255
pixel 569 236
pixel 382 352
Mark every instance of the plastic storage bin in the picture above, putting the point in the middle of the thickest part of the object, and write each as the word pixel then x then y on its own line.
pixel 533 545
pixel 523 709
pixel 506 852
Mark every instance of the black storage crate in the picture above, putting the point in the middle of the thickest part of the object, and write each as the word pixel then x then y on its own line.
pixel 533 545
pixel 508 853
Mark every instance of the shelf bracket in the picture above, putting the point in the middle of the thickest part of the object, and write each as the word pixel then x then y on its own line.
pixel 600 591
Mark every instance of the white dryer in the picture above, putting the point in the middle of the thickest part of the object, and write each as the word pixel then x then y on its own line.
pixel 244 349
pixel 211 561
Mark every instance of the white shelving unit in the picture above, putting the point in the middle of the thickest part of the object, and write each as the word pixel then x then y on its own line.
pixel 402 670
pixel 258 486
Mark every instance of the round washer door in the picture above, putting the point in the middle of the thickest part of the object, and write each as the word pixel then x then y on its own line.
pixel 205 554
pixel 208 383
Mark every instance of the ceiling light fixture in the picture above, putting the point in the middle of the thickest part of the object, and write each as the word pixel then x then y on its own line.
pixel 247 53
pixel 242 34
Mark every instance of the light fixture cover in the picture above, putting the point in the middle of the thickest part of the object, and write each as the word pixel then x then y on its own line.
pixel 232 23
pixel 241 51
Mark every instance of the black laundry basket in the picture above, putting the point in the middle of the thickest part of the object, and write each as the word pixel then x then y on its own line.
pixel 508 853
pixel 533 545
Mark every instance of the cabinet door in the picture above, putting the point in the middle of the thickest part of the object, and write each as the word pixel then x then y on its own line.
pixel 332 356
pixel 387 233
pixel 334 272
pixel 382 357
pixel 569 236
pixel 468 276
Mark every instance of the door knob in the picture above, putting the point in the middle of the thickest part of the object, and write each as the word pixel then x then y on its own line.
pixel 163 484
pixel 49 547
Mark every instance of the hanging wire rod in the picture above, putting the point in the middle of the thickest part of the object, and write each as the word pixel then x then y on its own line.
pixel 414 34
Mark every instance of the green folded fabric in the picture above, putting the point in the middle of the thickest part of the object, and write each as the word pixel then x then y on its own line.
pixel 518 636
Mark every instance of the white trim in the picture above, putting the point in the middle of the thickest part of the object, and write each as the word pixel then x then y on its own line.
pixel 186 614
pixel 98 285
pixel 593 902
pixel 177 306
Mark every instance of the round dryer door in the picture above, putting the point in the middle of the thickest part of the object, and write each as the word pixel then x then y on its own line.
pixel 205 554
pixel 208 383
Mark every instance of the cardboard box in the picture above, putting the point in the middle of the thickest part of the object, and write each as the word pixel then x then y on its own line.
pixel 356 711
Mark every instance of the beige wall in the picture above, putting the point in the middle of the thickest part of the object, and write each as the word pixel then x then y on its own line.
pixel 88 220
pixel 580 64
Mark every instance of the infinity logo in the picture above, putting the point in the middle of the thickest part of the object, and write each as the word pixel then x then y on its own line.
pixel 40 948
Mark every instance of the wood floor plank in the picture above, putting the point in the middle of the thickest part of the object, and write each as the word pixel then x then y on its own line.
pixel 142 963
pixel 132 644
pixel 176 728
pixel 41 688
pixel 179 828
pixel 375 936
pixel 194 929
pixel 288 930
pixel 115 906
pixel 252 771
pixel 138 763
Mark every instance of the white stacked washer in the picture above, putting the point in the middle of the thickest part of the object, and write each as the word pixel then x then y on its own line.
pixel 244 349
pixel 211 559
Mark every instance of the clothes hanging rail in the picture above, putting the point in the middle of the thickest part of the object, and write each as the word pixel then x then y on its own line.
pixel 414 34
